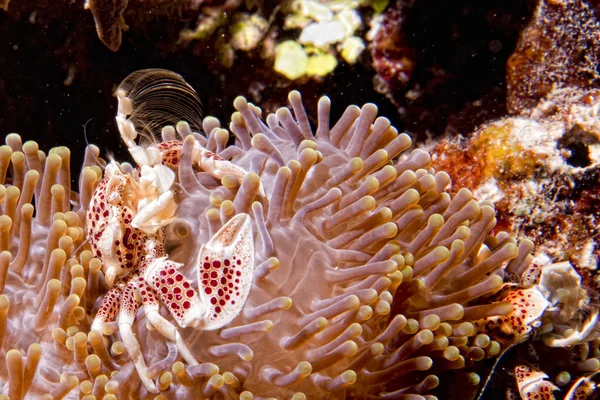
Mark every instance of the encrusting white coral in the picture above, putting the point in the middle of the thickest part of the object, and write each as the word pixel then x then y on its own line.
pixel 328 262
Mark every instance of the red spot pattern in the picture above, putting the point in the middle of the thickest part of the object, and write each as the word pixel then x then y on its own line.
pixel 149 298
pixel 129 303
pixel 218 281
pixel 111 210
pixel 170 152
pixel 175 291
pixel 109 306
pixel 532 384
pixel 230 255
pixel 109 207
pixel 584 390
pixel 528 306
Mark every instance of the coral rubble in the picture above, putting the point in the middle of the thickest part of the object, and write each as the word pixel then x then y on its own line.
pixel 541 170
pixel 559 48
pixel 110 23
pixel 393 57
pixel 540 167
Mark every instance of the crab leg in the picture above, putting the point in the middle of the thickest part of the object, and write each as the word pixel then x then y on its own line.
pixel 583 335
pixel 129 308
pixel 217 166
pixel 175 291
pixel 105 317
pixel 151 307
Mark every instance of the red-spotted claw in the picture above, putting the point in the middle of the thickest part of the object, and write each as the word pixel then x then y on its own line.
pixel 532 384
pixel 583 388
pixel 225 271
pixel 529 306
pixel 175 291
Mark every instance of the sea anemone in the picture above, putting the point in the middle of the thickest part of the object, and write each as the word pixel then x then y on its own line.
pixel 370 280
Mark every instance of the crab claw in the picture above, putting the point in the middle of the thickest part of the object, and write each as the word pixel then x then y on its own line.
pixel 225 271
pixel 532 383
pixel 529 306
pixel 582 389
pixel 175 292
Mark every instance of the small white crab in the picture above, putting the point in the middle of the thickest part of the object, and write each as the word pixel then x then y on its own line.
pixel 126 220
pixel 552 300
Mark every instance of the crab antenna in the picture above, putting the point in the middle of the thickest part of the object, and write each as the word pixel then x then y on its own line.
pixel 491 374
pixel 87 143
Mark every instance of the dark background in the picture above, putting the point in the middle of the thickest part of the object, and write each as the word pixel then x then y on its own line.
pixel 55 74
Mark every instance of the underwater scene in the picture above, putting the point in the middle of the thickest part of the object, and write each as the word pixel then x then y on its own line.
pixel 299 199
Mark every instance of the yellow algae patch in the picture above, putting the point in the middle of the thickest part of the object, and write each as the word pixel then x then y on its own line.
pixel 290 59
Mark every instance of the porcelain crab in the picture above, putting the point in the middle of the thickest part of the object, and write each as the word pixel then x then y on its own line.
pixel 553 306
pixel 126 223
